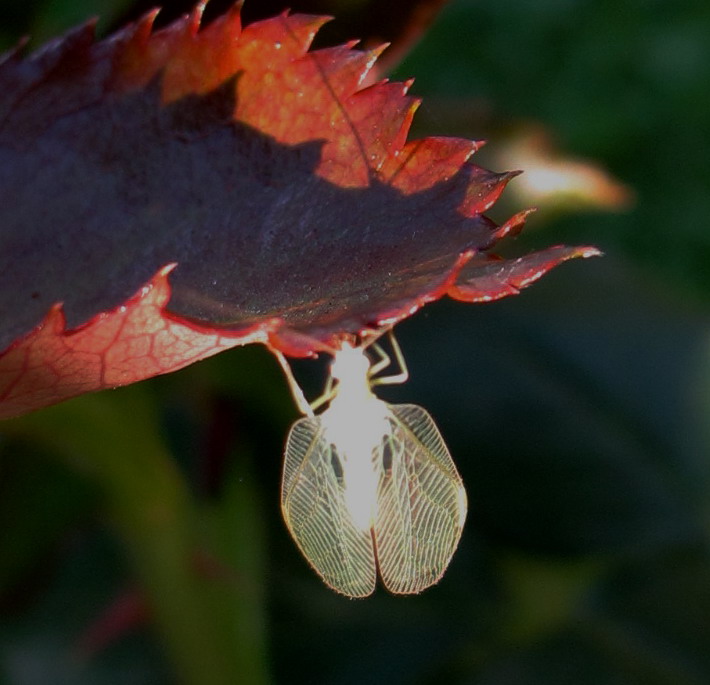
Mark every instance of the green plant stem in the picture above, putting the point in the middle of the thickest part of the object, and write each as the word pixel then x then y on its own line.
pixel 113 437
pixel 236 530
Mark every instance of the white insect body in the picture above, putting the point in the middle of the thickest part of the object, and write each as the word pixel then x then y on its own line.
pixel 368 486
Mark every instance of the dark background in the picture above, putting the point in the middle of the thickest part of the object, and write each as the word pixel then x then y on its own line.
pixel 577 412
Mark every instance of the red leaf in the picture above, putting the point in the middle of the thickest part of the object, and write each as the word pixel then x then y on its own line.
pixel 285 193
pixel 398 23
pixel 135 341
pixel 488 277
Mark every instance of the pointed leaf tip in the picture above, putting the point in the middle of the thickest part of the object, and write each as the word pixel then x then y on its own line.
pixel 487 277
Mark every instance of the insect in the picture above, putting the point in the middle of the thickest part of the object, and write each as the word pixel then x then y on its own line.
pixel 370 486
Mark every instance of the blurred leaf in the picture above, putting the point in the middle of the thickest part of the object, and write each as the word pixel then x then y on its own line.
pixel 623 85
pixel 645 624
pixel 554 181
pixel 235 529
pixel 40 646
pixel 114 438
pixel 40 502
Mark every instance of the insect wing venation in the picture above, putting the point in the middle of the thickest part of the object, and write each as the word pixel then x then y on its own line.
pixel 421 503
pixel 316 514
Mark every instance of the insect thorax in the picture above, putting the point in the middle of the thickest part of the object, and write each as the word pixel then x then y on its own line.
pixel 355 430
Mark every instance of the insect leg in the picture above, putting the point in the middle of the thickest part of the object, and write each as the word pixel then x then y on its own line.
pixel 328 394
pixel 299 398
pixel 396 378
pixel 382 363
pixel 304 406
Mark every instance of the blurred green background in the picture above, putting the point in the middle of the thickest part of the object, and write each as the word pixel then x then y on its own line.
pixel 140 531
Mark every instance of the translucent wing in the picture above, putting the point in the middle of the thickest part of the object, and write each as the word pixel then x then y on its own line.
pixel 421 503
pixel 314 508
